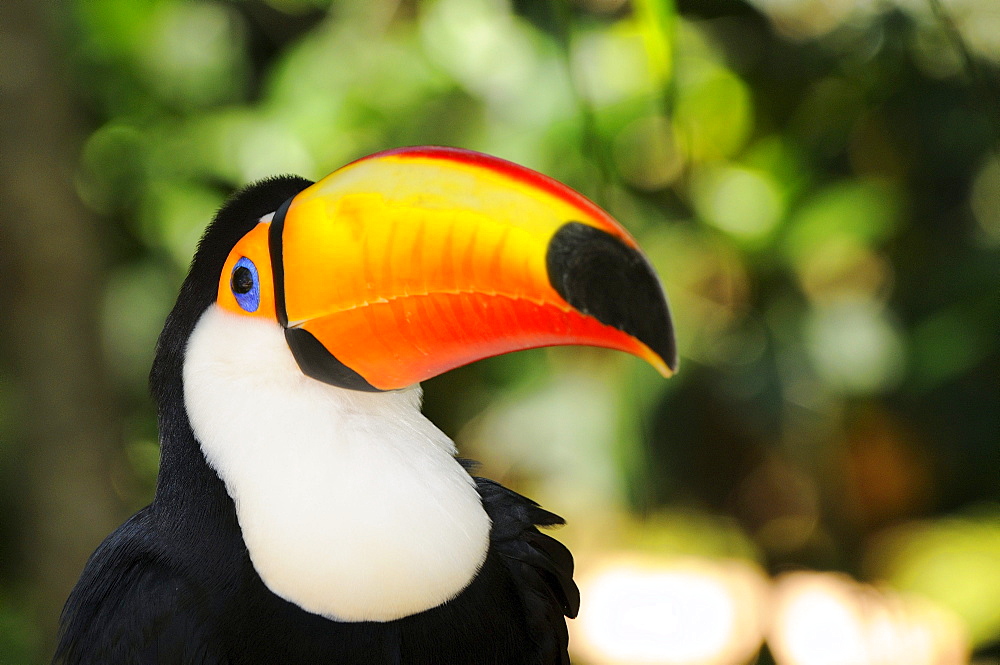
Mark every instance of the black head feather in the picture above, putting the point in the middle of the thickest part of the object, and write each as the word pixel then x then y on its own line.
pixel 234 220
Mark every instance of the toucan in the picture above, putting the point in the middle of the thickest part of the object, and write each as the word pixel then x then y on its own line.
pixel 306 512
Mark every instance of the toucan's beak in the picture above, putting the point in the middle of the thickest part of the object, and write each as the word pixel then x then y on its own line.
pixel 411 262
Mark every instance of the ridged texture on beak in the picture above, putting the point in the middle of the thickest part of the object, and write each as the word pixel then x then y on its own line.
pixel 405 264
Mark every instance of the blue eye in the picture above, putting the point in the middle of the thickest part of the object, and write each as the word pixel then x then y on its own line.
pixel 246 285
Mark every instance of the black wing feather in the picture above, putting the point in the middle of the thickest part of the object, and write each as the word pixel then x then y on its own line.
pixel 129 607
pixel 541 566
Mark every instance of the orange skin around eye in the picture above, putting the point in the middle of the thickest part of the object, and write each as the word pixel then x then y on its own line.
pixel 254 246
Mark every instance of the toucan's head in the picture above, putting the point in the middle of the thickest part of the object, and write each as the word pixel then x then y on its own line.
pixel 312 310
pixel 407 263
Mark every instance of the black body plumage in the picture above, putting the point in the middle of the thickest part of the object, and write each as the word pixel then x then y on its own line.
pixel 175 584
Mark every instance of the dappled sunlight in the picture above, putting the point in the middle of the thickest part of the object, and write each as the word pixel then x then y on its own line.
pixel 670 612
pixel 952 561
pixel 649 609
pixel 828 619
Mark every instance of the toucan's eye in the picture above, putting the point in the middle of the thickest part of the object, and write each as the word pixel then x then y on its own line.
pixel 246 285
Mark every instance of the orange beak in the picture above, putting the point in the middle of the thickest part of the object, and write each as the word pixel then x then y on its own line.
pixel 411 262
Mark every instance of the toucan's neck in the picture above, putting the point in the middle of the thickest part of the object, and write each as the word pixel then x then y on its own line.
pixel 351 504
pixel 194 512
pixel 191 499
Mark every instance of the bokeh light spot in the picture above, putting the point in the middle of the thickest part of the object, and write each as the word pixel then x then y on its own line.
pixel 671 612
pixel 854 346
pixel 743 202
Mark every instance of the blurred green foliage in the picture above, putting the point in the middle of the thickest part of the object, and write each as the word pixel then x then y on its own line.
pixel 820 191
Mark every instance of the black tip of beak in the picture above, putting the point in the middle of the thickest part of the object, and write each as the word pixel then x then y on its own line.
pixel 601 276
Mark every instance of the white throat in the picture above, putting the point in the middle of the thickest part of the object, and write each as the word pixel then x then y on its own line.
pixel 351 504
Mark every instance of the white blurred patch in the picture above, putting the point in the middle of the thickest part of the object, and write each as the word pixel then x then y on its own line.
pixel 671 612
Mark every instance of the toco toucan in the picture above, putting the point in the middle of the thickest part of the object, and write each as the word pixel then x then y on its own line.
pixel 305 511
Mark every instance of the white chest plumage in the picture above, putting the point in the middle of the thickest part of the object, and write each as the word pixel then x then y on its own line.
pixel 351 504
